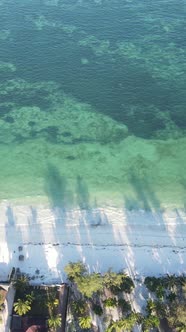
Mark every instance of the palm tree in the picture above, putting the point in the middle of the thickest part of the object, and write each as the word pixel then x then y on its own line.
pixel 89 284
pixel 119 326
pixel 74 270
pixel 21 307
pixel 85 322
pixel 111 279
pixel 30 297
pixel 54 322
pixel 150 322
pixel 21 284
pixel 170 281
pixel 124 324
pixel 52 303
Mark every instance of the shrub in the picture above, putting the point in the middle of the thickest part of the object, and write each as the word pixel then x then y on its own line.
pixel 85 322
pixel 21 284
pixel 110 302
pixel 54 322
pixel 112 279
pixel 79 307
pixel 30 297
pixel 21 307
pixel 149 323
pixel 160 292
pixel 52 302
pixel 156 308
pixel 151 307
pixel 124 324
pixel 126 285
pixel 75 270
pixel 90 284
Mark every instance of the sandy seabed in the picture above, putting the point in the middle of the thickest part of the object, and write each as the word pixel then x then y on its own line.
pixel 137 241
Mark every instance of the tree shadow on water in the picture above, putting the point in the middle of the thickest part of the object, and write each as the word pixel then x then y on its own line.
pixel 145 196
pixel 57 190
pixel 82 193
pixel 55 187
pixel 90 212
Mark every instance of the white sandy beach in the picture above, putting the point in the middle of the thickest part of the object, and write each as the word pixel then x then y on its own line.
pixel 141 242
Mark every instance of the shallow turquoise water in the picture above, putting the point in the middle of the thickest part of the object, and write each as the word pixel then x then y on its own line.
pixel 92 102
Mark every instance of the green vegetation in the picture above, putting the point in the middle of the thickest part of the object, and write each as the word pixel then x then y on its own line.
pixel 99 294
pixel 90 295
pixel 25 298
pixel 170 303
pixel 110 302
pixel 126 285
pixel 102 293
pixel 79 307
pixel 21 284
pixel 85 322
pixel 89 284
pixel 112 279
pixel 113 302
pixel 22 307
pixel 149 323
pixel 52 303
pixel 54 322
pixel 33 302
pixel 125 324
pixel 75 270
pixel 176 316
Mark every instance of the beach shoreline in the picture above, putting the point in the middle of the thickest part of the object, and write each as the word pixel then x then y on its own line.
pixel 140 242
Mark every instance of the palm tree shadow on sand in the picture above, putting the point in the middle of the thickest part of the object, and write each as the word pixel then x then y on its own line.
pixel 90 212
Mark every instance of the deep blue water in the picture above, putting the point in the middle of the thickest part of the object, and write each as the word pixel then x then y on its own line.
pixel 108 82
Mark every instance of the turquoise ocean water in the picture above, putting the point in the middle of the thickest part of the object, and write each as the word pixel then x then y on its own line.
pixel 92 102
